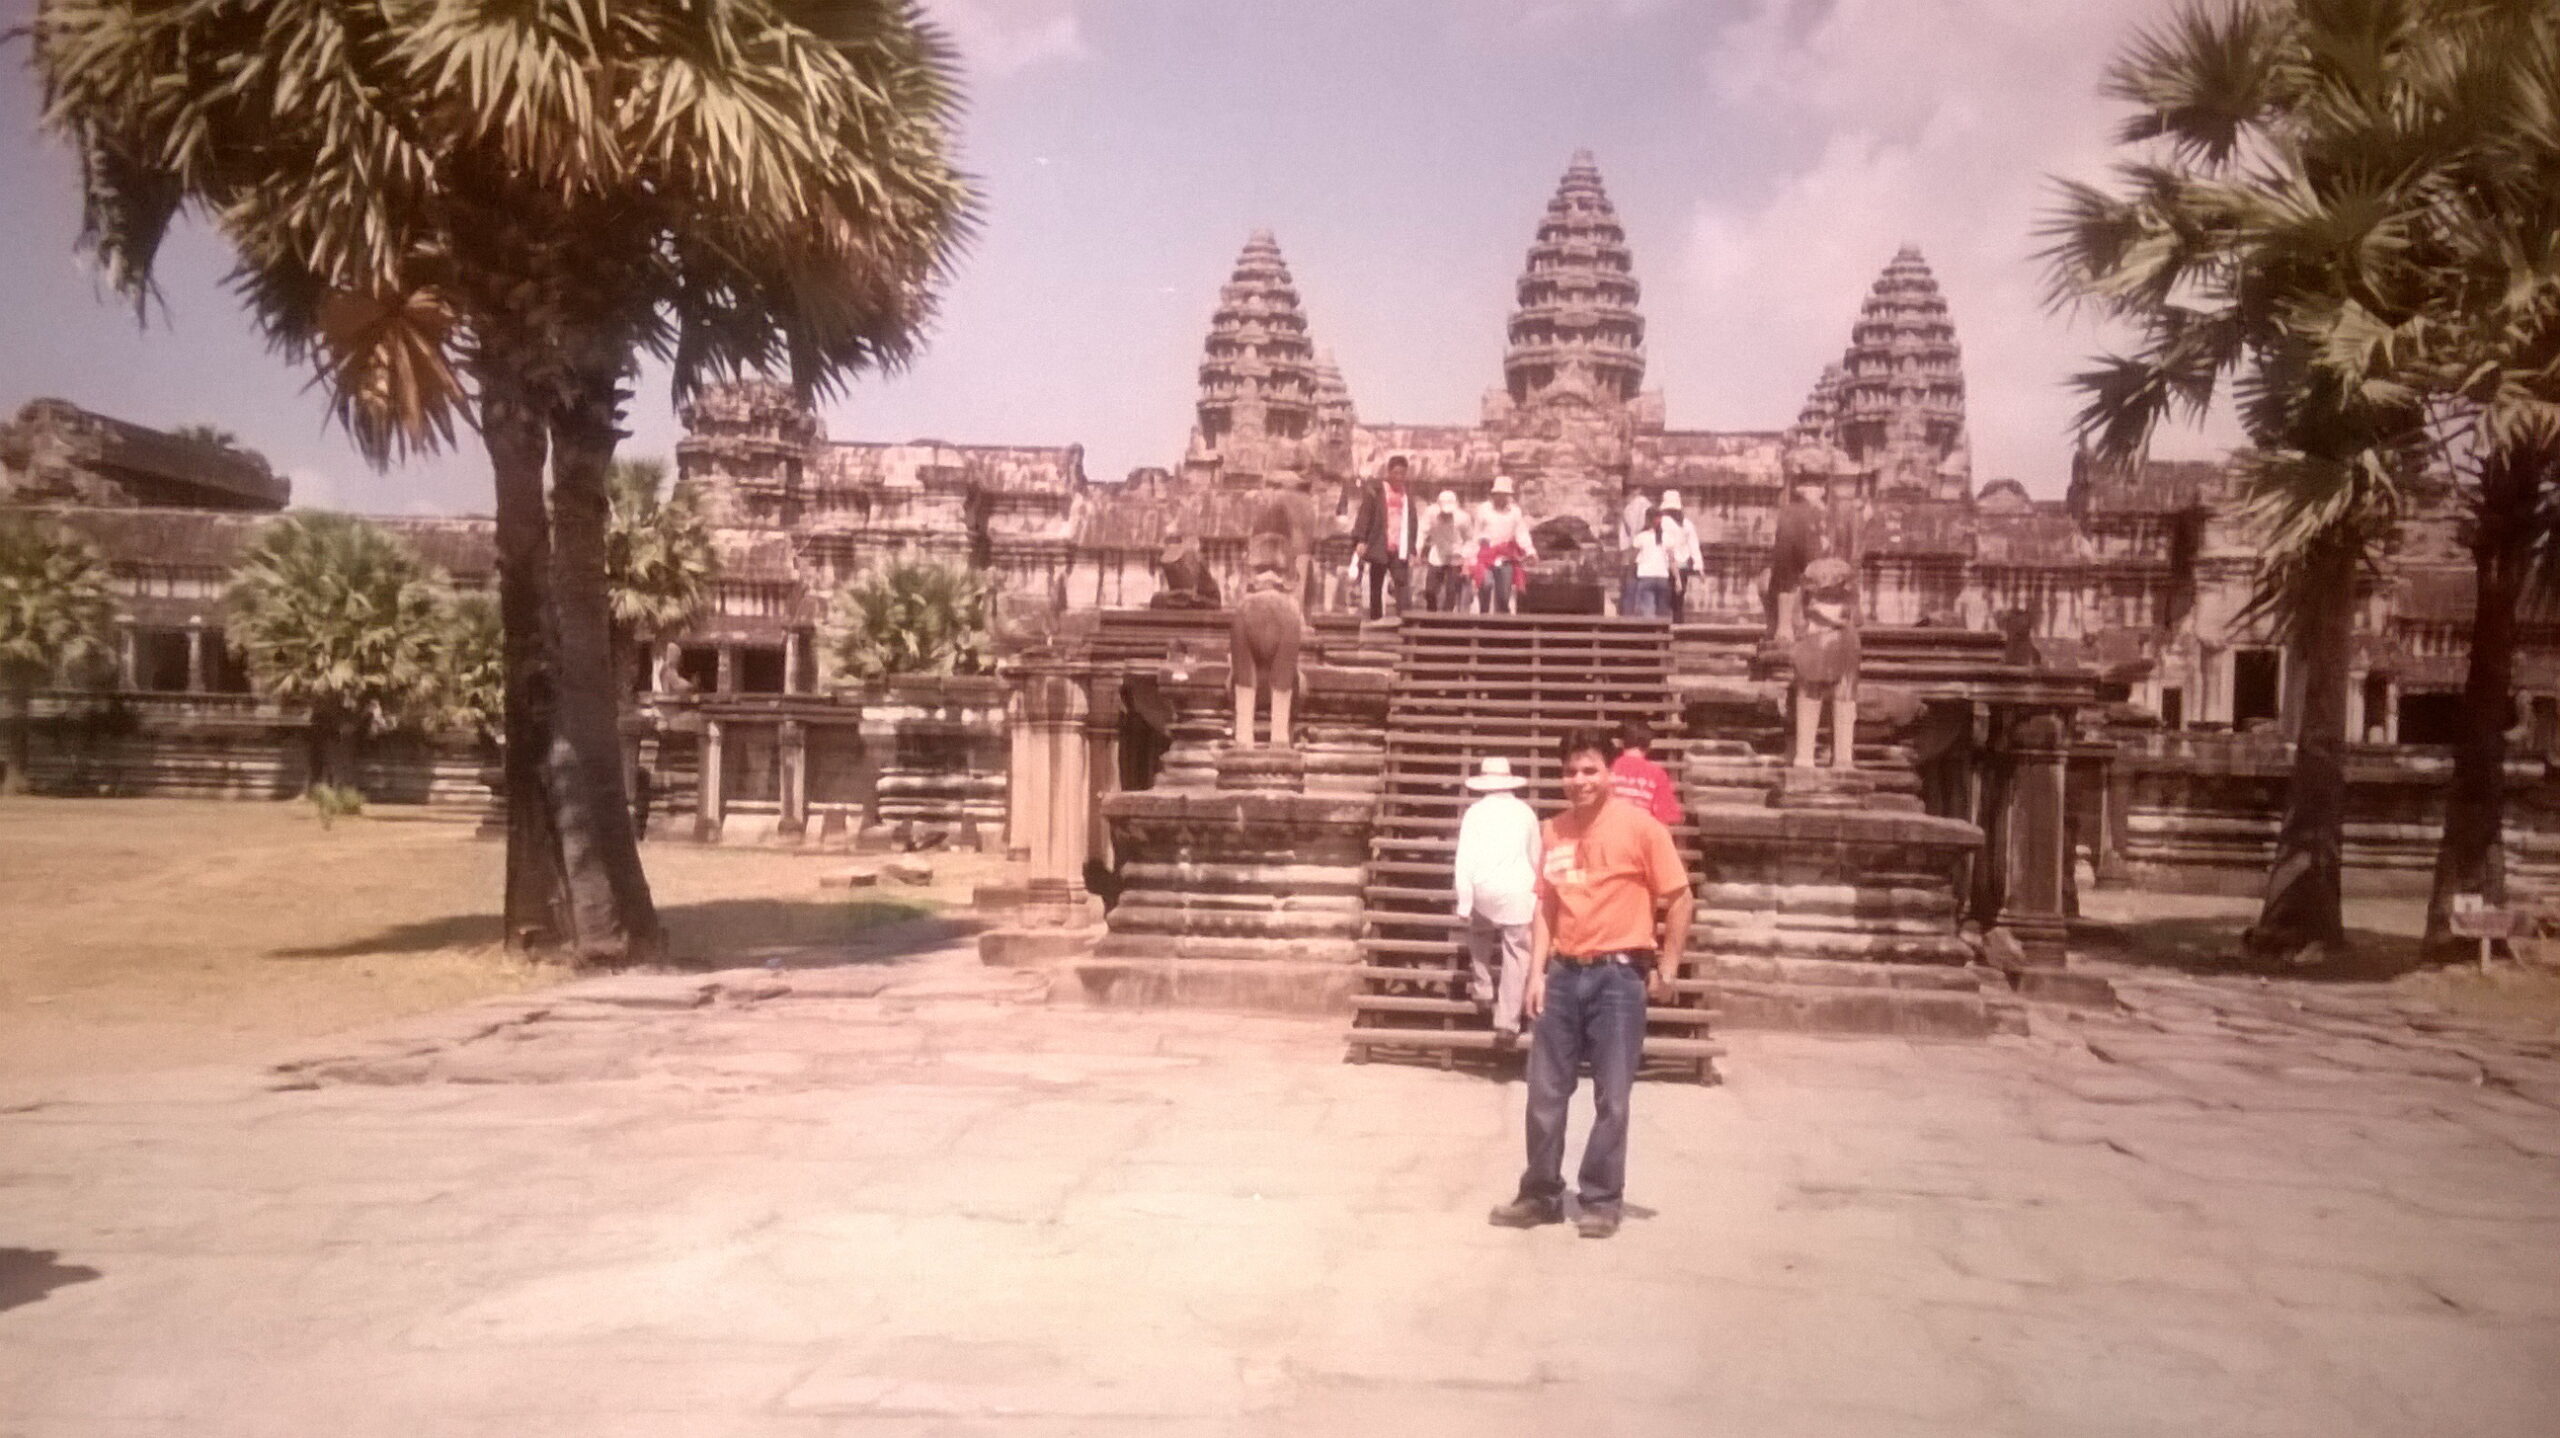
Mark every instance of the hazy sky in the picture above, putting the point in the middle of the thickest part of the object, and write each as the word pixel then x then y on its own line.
pixel 1766 156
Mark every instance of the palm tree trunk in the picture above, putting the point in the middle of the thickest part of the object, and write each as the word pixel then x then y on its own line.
pixel 2303 907
pixel 2471 857
pixel 618 924
pixel 537 911
pixel 21 726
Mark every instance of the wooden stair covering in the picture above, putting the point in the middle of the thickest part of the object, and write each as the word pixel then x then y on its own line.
pixel 1468 687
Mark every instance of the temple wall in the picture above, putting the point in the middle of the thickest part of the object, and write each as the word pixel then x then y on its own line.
pixel 2200 814
pixel 902 759
pixel 208 746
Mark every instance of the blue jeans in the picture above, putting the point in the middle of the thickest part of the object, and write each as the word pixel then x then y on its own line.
pixel 1500 581
pixel 1647 599
pixel 1594 1014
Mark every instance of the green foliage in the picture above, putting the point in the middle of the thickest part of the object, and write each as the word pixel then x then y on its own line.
pixel 333 802
pixel 471 677
pixel 342 617
pixel 2343 212
pixel 57 605
pixel 417 186
pixel 910 617
pixel 659 562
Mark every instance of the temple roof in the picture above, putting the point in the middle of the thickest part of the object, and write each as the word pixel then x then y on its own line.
pixel 996 468
pixel 2156 486
pixel 139 540
pixel 189 470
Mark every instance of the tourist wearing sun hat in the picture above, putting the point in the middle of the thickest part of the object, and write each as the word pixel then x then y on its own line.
pixel 1446 532
pixel 1680 541
pixel 1497 883
pixel 1503 547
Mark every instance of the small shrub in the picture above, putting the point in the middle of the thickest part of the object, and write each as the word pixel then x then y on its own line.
pixel 333 802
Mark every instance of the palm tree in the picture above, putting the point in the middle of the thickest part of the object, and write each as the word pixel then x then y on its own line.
pixel 659 561
pixel 486 213
pixel 909 617
pixel 471 679
pixel 2285 146
pixel 342 618
pixel 57 610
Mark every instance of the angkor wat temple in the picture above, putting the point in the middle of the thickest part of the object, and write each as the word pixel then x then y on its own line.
pixel 2137 577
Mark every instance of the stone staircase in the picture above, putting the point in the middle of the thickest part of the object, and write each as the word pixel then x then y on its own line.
pixel 1468 687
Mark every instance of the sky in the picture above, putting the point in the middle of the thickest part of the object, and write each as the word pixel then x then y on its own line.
pixel 1767 158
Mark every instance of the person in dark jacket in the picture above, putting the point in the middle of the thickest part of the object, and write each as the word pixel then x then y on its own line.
pixel 1377 534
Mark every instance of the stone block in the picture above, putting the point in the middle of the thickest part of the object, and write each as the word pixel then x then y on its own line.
pixel 1266 986
pixel 856 876
pixel 1030 948
pixel 907 871
pixel 2066 986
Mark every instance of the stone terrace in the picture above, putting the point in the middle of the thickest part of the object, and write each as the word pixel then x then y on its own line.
pixel 913 1199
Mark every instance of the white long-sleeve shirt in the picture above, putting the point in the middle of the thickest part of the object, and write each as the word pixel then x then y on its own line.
pixel 1497 863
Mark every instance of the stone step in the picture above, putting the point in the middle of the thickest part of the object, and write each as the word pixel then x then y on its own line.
pixel 1670 1016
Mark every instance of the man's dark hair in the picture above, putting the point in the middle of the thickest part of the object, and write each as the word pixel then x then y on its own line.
pixel 1588 740
pixel 1398 462
pixel 1636 734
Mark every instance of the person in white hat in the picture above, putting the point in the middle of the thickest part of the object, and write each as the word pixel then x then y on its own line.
pixel 1503 548
pixel 1497 883
pixel 1680 540
pixel 1445 535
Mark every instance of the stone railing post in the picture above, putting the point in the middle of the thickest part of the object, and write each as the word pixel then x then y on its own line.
pixel 708 785
pixel 792 757
pixel 195 656
pixel 1056 794
pixel 2039 833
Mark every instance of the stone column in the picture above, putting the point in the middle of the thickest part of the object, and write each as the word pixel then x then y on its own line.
pixel 195 656
pixel 128 659
pixel 2391 712
pixel 1023 775
pixel 2039 853
pixel 1059 791
pixel 728 680
pixel 792 756
pixel 791 649
pixel 709 800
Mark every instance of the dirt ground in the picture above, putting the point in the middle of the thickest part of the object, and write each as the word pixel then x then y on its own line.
pixel 144 933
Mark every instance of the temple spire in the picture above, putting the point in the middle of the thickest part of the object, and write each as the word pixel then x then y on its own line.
pixel 1901 409
pixel 1258 379
pixel 1576 332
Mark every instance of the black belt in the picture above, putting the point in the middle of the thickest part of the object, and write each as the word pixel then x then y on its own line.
pixel 1638 958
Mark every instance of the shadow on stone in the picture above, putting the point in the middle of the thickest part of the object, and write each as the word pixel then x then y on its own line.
pixel 718 933
pixel 2212 946
pixel 28 1274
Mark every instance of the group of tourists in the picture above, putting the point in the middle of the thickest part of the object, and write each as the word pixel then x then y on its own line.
pixel 1471 559
pixel 1572 924
pixel 1478 559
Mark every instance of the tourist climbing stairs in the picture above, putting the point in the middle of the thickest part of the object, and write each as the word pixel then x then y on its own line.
pixel 1470 687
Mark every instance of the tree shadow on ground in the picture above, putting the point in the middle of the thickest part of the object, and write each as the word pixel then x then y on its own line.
pixel 28 1274
pixel 716 933
pixel 2211 946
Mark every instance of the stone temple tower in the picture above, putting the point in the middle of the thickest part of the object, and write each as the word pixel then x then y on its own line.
pixel 1575 335
pixel 1258 376
pixel 1573 372
pixel 1901 406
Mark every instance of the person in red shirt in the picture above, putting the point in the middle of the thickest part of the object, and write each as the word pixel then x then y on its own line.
pixel 1638 779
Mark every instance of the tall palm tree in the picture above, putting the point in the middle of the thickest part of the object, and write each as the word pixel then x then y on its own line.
pixel 344 619
pixel 911 616
pixel 486 213
pixel 2281 147
pixel 57 611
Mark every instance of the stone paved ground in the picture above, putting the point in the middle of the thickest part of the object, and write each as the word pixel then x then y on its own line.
pixel 912 1200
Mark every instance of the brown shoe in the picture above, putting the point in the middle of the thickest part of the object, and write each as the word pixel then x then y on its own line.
pixel 1527 1213
pixel 1596 1223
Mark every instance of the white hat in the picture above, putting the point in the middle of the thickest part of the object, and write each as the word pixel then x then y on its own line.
pixel 1502 484
pixel 1494 775
pixel 1448 499
pixel 1671 499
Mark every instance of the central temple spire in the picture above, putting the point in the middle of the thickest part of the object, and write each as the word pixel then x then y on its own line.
pixel 1258 374
pixel 1576 334
pixel 1901 398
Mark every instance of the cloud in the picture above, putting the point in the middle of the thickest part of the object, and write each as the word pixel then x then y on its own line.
pixel 1005 37
pixel 1929 122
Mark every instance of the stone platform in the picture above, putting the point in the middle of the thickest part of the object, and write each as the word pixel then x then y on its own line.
pixel 1825 917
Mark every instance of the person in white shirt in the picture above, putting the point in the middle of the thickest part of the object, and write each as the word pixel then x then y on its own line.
pixel 1497 882
pixel 1649 588
pixel 1688 559
pixel 1503 548
pixel 1447 543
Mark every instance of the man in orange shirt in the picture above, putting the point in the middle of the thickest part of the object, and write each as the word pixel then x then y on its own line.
pixel 1608 874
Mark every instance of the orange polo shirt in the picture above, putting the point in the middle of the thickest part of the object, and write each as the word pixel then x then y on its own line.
pixel 1598 882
